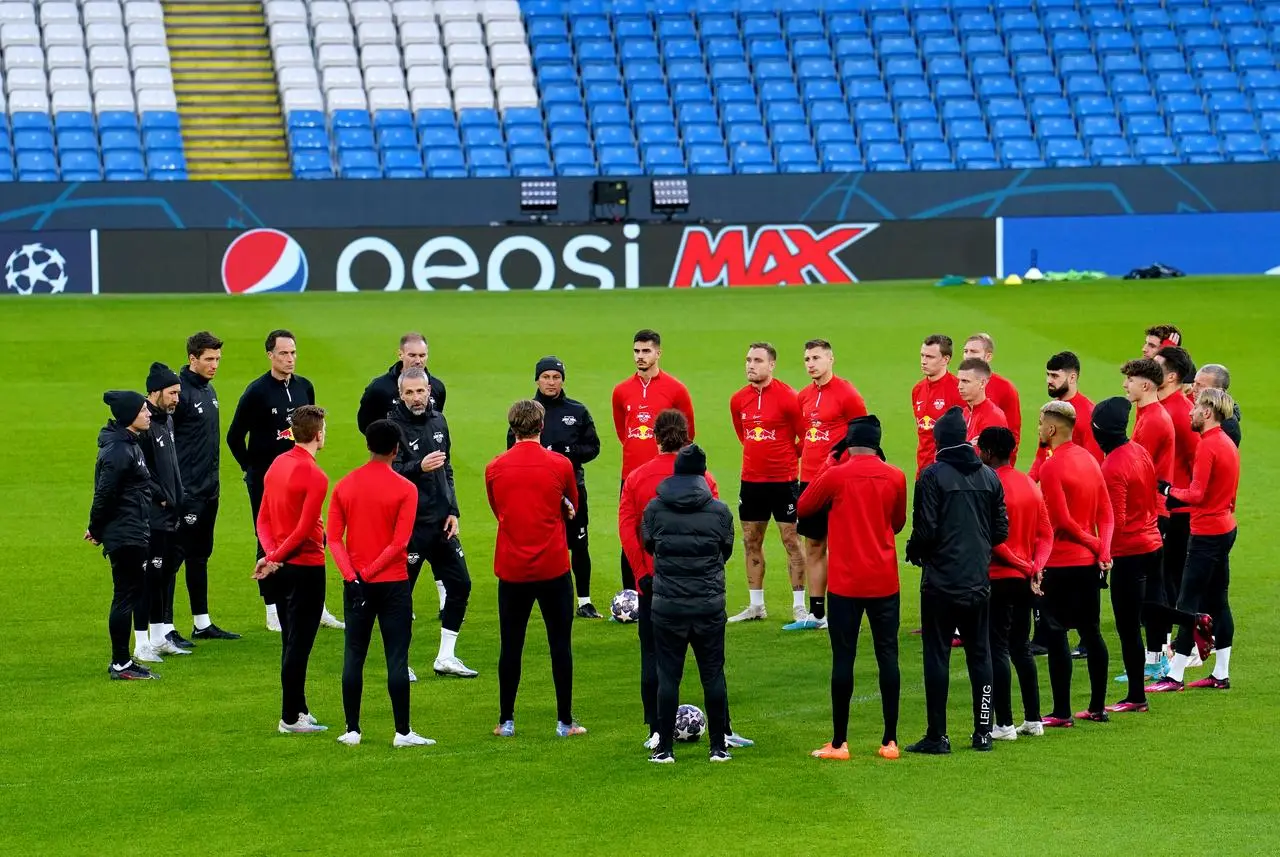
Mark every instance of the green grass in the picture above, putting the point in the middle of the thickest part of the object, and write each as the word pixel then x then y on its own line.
pixel 192 764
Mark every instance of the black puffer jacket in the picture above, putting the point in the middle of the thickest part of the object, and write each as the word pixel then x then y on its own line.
pixel 958 517
pixel 121 512
pixel 420 437
pixel 159 450
pixel 690 535
pixel 383 394
pixel 568 429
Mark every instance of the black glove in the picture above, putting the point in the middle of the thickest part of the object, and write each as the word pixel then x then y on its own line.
pixel 913 557
pixel 1171 502
pixel 355 588
pixel 1163 487
pixel 645 585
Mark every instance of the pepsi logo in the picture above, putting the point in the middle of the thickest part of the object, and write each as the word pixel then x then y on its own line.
pixel 264 260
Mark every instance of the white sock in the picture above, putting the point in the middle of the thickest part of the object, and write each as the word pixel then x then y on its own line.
pixel 157 635
pixel 168 629
pixel 144 637
pixel 584 600
pixel 271 611
pixel 1221 661
pixel 757 597
pixel 1154 657
pixel 448 640
pixel 1178 666
pixel 798 597
pixel 440 591
pixel 202 621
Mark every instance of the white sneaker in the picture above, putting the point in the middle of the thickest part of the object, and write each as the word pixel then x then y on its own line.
pixel 413 739
pixel 165 647
pixel 302 727
pixel 1005 733
pixel 751 614
pixel 273 622
pixel 1031 728
pixel 453 667
pixel 309 718
pixel 351 739
pixel 147 652
pixel 799 612
pixel 651 743
pixel 413 676
pixel 328 620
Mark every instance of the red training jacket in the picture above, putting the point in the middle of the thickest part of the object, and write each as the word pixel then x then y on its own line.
pixel 1153 430
pixel 1131 486
pixel 1030 541
pixel 1186 441
pixel 641 487
pixel 1214 482
pixel 636 404
pixel 1081 435
pixel 527 487
pixel 826 412
pixel 1079 508
pixel 868 502
pixel 1001 391
pixel 929 401
pixel 371 520
pixel 983 416
pixel 289 524
pixel 768 425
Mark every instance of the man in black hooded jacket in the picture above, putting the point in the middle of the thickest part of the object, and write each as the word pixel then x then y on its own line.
pixel 384 391
pixel 690 535
pixel 119 520
pixel 958 517
pixel 569 430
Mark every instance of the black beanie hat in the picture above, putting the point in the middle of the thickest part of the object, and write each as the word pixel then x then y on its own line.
pixel 1110 419
pixel 548 364
pixel 691 460
pixel 160 377
pixel 865 432
pixel 125 405
pixel 950 429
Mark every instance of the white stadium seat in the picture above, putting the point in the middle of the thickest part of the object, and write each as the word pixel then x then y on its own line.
pixel 290 34
pixel 341 77
pixel 376 33
pixel 462 31
pixel 463 76
pixel 19 34
pixel 109 55
pixel 380 55
pixel 72 101
pixel 66 56
pixel 431 98
pixel 423 76
pixel 294 56
pixel 500 32
pixel 517 96
pixel 59 13
pixel 419 33
pixel 423 54
pixel 285 12
pixel 29 101
pixel 383 77
pixel 146 34
pixel 68 78
pixel 337 55
pixel 325 10
pixel 23 56
pixel 457 10
pixel 112 78
pixel 467 54
pixel 473 97
pixel 298 77
pixel 303 99
pixel 114 99
pixel 152 78
pixel 371 10
pixel 499 10
pixel 17 13
pixel 31 79
pixel 140 11
pixel 101 34
pixel 512 75
pixel 510 54
pixel 412 10
pixel 146 56
pixel 333 33
pixel 99 12
pixel 70 34
pixel 156 99
pixel 347 99
pixel 388 99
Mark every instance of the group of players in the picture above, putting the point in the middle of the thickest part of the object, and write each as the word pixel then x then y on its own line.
pixel 1093 506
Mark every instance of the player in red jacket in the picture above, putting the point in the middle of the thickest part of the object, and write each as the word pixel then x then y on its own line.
pixel 827 406
pixel 867 502
pixel 766 419
pixel 1062 377
pixel 1000 389
pixel 1014 562
pixel 637 402
pixel 371 520
pixel 1207 576
pixel 531 492
pixel 1136 546
pixel 980 412
pixel 933 395
pixel 292 536
pixel 1158 336
pixel 1080 512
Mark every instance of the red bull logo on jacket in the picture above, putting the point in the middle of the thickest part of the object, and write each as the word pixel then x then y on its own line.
pixel 759 434
pixel 641 432
pixel 285 434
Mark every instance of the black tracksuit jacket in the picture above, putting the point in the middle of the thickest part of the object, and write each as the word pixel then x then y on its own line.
pixel 159 450
pixel 569 430
pixel 198 434
pixel 383 393
pixel 420 436
pixel 264 413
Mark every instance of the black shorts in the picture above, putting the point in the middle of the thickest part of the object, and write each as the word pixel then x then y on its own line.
pixel 760 501
pixel 1072 597
pixel 576 530
pixel 195 528
pixel 814 526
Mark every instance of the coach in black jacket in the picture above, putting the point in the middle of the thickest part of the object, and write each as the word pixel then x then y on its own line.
pixel 424 458
pixel 958 517
pixel 119 519
pixel 384 391
pixel 159 449
pixel 690 535
pixel 569 430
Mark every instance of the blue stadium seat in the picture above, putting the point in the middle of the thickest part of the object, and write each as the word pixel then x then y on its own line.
pixel 77 141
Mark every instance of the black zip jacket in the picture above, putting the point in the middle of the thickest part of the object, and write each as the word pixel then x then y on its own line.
pixel 159 451
pixel 121 512
pixel 383 393
pixel 568 430
pixel 958 517
pixel 1231 427
pixel 197 432
pixel 420 436
pixel 264 413
pixel 690 535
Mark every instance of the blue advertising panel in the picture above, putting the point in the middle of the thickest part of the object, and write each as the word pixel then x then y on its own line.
pixel 49 262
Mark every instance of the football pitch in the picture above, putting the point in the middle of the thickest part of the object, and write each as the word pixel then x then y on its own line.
pixel 192 764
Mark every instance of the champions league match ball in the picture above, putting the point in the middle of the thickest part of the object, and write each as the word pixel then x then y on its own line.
pixel 691 723
pixel 625 606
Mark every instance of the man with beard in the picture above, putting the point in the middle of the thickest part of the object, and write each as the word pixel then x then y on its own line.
pixel 1215 376
pixel 380 395
pixel 424 459
pixel 1062 377
pixel 569 430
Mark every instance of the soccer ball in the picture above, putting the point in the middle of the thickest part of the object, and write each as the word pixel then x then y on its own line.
pixel 35 268
pixel 625 606
pixel 690 723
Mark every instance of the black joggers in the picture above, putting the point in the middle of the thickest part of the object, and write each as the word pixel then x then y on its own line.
pixel 1011 645
pixel 299 592
pixel 940 617
pixel 127 569
pixel 1205 582
pixel 844 621
pixel 672 638
pixel 554 598
pixel 391 606
pixel 448 566
pixel 1073 598
pixel 1135 581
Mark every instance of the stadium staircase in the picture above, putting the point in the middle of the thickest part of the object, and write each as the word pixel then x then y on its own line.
pixel 232 126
